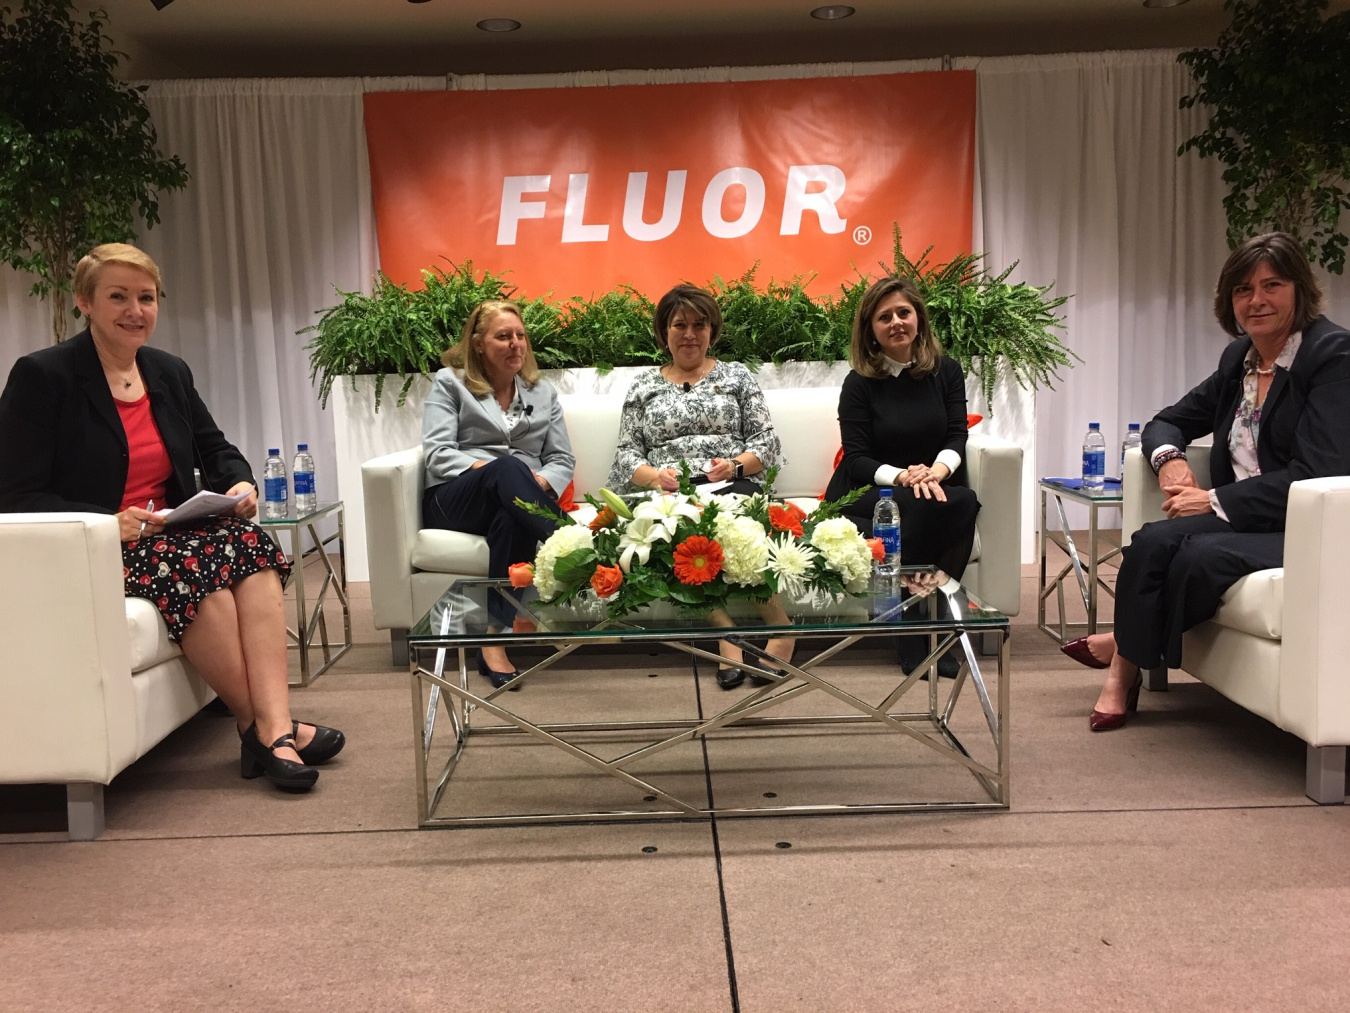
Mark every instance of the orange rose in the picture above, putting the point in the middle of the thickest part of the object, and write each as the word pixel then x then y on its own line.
pixel 698 560
pixel 606 580
pixel 878 550
pixel 604 519
pixel 787 518
pixel 521 574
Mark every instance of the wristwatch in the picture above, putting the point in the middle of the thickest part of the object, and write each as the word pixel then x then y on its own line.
pixel 740 468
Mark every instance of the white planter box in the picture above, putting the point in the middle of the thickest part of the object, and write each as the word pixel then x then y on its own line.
pixel 362 433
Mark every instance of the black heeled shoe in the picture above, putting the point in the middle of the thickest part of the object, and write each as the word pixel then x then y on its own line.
pixel 729 678
pixel 498 679
pixel 255 760
pixel 325 745
pixel 770 674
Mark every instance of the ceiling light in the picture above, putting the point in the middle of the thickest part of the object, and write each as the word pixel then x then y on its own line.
pixel 1165 3
pixel 833 12
pixel 499 24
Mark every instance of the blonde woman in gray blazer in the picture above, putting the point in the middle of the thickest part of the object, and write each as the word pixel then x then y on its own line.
pixel 492 433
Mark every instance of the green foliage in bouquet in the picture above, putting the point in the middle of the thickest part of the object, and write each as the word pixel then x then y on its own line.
pixel 700 551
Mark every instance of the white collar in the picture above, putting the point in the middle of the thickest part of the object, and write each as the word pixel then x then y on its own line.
pixel 895 368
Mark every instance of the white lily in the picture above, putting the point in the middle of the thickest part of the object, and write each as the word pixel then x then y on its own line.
pixel 666 511
pixel 637 539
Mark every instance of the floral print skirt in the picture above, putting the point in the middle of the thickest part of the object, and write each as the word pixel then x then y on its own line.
pixel 177 568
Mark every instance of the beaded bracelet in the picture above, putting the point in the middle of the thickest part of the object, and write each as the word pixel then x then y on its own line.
pixel 1167 455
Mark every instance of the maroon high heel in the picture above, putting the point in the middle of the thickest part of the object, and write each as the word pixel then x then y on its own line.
pixel 1099 721
pixel 1078 651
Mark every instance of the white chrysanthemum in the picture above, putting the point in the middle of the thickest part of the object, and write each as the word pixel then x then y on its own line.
pixel 567 538
pixel 639 535
pixel 844 550
pixel 745 549
pixel 667 510
pixel 729 503
pixel 790 560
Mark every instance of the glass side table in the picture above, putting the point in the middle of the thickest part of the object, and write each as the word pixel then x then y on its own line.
pixel 307 623
pixel 1084 569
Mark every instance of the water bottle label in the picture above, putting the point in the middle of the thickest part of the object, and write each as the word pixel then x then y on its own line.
pixel 274 489
pixel 304 483
pixel 890 538
pixel 1094 463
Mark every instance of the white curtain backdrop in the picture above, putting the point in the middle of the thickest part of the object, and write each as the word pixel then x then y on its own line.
pixel 1077 181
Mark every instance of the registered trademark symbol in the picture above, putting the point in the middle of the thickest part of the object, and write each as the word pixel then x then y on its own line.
pixel 862 235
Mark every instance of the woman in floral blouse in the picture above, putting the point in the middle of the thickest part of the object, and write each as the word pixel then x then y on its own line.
pixel 698 410
pixel 695 409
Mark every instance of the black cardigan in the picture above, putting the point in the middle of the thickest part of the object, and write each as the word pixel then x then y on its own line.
pixel 1305 425
pixel 62 445
pixel 898 420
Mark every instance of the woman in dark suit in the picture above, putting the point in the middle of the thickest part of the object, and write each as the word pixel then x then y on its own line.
pixel 491 436
pixel 902 421
pixel 1278 407
pixel 103 423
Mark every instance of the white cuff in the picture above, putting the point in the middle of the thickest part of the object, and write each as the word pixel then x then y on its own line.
pixel 1217 506
pixel 951 459
pixel 886 475
pixel 1153 457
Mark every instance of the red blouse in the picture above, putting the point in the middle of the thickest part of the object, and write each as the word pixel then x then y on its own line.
pixel 148 467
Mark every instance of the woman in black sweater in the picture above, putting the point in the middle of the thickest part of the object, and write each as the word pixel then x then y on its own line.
pixel 902 419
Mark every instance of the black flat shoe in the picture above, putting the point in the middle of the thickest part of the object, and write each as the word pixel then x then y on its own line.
pixel 498 679
pixel 729 678
pixel 770 674
pixel 325 745
pixel 255 760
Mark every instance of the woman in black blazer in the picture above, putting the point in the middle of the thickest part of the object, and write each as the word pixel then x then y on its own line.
pixel 1278 407
pixel 902 421
pixel 102 423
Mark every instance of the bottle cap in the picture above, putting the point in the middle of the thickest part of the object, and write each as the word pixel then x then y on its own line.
pixel 302 446
pixel 886 492
pixel 274 452
pixel 1094 425
pixel 1134 427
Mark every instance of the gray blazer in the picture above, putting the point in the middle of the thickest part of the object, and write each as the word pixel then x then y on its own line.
pixel 459 428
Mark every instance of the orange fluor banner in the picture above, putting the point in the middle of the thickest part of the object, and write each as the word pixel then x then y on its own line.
pixel 577 190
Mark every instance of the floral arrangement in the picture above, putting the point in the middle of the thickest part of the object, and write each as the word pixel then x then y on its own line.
pixel 700 551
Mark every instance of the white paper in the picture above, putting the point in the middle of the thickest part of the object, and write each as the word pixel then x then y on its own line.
pixel 204 504
pixel 711 487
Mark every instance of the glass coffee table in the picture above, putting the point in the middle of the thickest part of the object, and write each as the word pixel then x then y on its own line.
pixel 896 710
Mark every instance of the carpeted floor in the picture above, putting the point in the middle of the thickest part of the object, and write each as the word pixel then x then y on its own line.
pixel 1174 864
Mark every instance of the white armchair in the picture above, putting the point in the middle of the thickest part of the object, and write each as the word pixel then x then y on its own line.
pixel 410 568
pixel 1279 643
pixel 89 680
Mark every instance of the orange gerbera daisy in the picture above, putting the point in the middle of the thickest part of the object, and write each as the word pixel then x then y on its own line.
pixel 787 518
pixel 697 560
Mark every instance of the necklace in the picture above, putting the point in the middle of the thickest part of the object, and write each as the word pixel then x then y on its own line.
pixel 127 381
pixel 703 370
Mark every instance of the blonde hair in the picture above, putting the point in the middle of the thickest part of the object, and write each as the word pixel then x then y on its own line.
pixel 91 265
pixel 467 355
pixel 865 354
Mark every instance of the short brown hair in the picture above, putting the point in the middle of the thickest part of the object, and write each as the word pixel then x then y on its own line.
pixel 467 356
pixel 865 354
pixel 1284 255
pixel 91 265
pixel 692 299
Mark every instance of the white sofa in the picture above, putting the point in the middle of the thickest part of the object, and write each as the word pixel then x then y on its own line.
pixel 89 680
pixel 1280 642
pixel 410 567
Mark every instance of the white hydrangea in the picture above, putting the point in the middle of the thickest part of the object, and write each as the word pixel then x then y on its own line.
pixel 567 538
pixel 790 560
pixel 844 550
pixel 745 549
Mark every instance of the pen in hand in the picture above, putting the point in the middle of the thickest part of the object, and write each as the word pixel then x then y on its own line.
pixel 151 508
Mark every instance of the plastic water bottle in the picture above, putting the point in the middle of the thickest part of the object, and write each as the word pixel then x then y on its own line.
pixel 274 486
pixel 302 474
pixel 1094 457
pixel 886 526
pixel 1133 438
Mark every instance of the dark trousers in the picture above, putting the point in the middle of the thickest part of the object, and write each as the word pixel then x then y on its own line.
pixel 931 532
pixel 1172 576
pixel 482 501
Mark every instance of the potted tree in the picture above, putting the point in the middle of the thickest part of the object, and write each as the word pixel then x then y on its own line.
pixel 78 162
